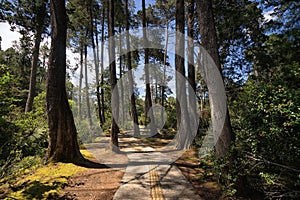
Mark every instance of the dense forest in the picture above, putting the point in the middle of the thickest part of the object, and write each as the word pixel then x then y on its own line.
pixel 219 77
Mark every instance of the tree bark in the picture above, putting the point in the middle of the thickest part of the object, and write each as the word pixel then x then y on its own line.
pixel 80 83
pixel 102 65
pixel 134 113
pixel 148 99
pixel 191 64
pixel 122 97
pixel 35 56
pixel 35 59
pixel 96 59
pixel 181 103
pixel 163 87
pixel 113 77
pixel 63 145
pixel 87 95
pixel 209 42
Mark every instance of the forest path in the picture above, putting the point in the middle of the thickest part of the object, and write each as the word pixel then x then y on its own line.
pixel 149 176
pixel 130 174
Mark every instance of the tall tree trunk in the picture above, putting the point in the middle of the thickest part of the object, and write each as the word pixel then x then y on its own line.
pixel 80 83
pixel 40 17
pixel 35 59
pixel 191 64
pixel 96 60
pixel 122 97
pixel 181 103
pixel 87 95
pixel 113 77
pixel 209 42
pixel 98 89
pixel 163 87
pixel 148 99
pixel 102 65
pixel 45 55
pixel 63 145
pixel 134 113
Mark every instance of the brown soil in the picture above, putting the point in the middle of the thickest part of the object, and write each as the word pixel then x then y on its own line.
pixel 205 185
pixel 93 184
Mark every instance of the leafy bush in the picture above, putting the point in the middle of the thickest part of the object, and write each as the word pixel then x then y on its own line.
pixel 267 124
pixel 23 135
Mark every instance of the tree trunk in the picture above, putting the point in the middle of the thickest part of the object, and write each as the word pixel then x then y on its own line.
pixel 39 22
pixel 80 83
pixel 113 77
pixel 122 97
pixel 148 99
pixel 63 145
pixel 87 95
pixel 134 113
pixel 98 89
pixel 34 65
pixel 181 103
pixel 96 60
pixel 191 64
pixel 163 87
pixel 209 42
pixel 102 65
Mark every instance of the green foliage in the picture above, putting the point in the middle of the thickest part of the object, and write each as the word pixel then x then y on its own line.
pixel 15 64
pixel 170 109
pixel 23 135
pixel 266 120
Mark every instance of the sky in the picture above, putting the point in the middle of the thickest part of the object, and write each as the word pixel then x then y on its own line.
pixel 7 35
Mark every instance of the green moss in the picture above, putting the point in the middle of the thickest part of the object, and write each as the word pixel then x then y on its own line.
pixel 86 154
pixel 45 182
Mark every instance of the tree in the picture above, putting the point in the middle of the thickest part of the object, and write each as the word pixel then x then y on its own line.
pixel 39 21
pixel 134 113
pixel 113 77
pixel 148 99
pixel 181 97
pixel 239 25
pixel 209 42
pixel 95 46
pixel 63 145
pixel 190 55
pixel 102 63
pixel 191 67
pixel 86 89
pixel 78 40
pixel 167 11
pixel 31 17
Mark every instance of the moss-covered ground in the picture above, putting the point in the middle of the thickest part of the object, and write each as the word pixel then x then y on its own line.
pixel 43 182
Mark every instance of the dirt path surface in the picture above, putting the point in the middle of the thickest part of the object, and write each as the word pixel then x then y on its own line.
pixel 93 184
pixel 141 172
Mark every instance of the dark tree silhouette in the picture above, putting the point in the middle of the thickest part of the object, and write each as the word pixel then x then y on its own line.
pixel 63 145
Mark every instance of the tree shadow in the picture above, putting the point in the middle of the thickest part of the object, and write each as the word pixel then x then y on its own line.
pixel 96 165
pixel 37 190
